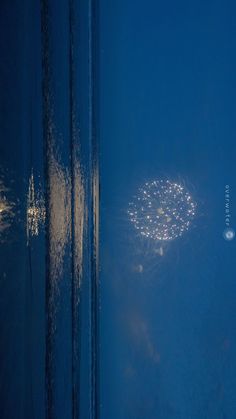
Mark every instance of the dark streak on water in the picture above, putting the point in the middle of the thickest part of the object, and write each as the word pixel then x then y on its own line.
pixel 47 119
pixel 74 289
pixel 92 199
pixel 95 205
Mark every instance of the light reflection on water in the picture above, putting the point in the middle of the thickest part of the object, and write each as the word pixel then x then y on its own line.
pixel 6 210
pixel 80 221
pixel 59 208
pixel 36 212
pixel 66 218
pixel 65 213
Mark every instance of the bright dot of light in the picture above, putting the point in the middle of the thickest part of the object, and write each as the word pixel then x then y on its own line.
pixel 229 234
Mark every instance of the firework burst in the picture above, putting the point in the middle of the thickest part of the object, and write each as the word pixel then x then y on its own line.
pixel 162 210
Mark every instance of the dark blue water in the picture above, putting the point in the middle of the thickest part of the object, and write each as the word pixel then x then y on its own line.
pixel 49 195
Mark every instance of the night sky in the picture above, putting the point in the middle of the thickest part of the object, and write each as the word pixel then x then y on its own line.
pixel 167 111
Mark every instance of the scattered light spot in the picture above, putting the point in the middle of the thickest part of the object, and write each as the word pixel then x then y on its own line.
pixel 36 212
pixel 229 234
pixel 159 251
pixel 6 210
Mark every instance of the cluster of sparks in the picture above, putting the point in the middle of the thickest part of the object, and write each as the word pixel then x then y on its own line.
pixel 162 210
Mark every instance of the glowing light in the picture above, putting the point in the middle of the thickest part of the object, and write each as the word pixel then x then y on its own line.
pixel 6 210
pixel 229 234
pixel 36 212
pixel 162 210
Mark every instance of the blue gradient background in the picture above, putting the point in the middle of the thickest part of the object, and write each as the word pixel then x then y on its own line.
pixel 167 109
